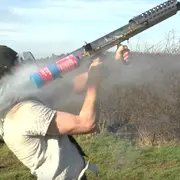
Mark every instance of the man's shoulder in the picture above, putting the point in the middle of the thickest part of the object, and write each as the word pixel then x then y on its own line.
pixel 23 108
pixel 20 117
pixel 32 117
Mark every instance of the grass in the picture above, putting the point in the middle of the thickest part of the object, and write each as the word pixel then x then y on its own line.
pixel 10 167
pixel 115 158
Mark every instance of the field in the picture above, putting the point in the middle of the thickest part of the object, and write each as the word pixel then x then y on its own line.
pixel 115 158
pixel 139 125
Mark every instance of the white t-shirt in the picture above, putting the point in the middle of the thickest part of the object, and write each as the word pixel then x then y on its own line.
pixel 48 157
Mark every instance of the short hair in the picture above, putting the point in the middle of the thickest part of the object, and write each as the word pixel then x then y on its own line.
pixel 8 58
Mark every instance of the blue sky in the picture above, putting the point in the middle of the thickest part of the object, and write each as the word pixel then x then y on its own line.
pixel 59 26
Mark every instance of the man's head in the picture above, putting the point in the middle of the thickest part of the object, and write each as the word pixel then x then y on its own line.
pixel 8 59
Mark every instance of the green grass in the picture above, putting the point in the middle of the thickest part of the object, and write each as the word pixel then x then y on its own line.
pixel 115 158
pixel 10 167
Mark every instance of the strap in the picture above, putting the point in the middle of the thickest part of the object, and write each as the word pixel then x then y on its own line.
pixel 90 167
pixel 72 139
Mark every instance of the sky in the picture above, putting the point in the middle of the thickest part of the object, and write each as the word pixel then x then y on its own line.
pixel 61 26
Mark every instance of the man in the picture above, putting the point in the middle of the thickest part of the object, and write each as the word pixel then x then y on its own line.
pixel 41 137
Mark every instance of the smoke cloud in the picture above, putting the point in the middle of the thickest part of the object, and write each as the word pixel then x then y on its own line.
pixel 143 70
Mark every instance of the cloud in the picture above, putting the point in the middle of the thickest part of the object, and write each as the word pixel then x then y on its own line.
pixel 70 11
pixel 9 16
pixel 46 26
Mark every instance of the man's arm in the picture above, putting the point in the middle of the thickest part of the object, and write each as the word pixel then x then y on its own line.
pixel 79 82
pixel 86 121
pixel 70 124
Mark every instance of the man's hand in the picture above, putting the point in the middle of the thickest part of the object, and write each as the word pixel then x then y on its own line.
pixel 95 73
pixel 95 63
pixel 122 53
pixel 80 81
